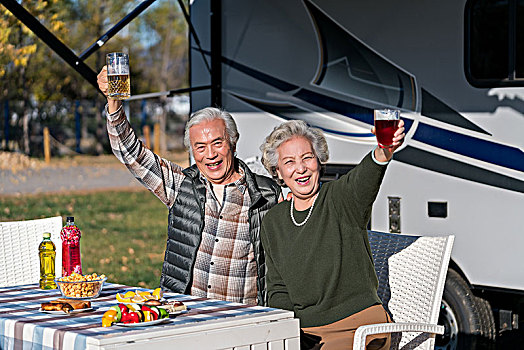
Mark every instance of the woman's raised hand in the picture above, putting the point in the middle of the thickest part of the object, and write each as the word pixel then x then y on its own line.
pixel 385 154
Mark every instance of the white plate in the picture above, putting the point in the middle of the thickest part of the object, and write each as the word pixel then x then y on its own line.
pixel 56 312
pixel 144 324
pixel 177 313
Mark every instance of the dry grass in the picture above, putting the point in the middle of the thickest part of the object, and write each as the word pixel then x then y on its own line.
pixel 123 232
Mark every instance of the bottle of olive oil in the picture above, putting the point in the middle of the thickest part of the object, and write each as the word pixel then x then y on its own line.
pixel 47 253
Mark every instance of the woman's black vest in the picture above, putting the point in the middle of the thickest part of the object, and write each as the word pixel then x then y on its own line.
pixel 186 223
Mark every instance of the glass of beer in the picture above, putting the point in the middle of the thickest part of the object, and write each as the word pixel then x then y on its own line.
pixel 386 123
pixel 118 75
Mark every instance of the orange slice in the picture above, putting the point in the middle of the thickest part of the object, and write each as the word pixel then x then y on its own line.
pixel 138 299
pixel 129 294
pixel 145 294
pixel 122 298
pixel 158 294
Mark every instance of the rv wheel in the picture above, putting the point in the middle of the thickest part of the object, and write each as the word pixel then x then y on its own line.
pixel 468 320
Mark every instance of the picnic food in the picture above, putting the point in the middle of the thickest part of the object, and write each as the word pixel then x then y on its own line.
pixel 65 305
pixel 174 306
pixel 81 286
pixel 76 304
pixel 153 302
pixel 59 306
pixel 132 313
pixel 109 317
pixel 139 296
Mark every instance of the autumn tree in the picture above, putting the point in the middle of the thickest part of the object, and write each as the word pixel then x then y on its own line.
pixel 24 61
pixel 34 75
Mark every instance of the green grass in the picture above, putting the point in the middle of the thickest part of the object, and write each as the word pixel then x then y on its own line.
pixel 123 233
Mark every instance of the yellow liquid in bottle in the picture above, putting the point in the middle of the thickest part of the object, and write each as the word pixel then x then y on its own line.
pixel 47 254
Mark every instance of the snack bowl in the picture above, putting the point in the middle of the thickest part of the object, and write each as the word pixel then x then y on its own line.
pixel 83 289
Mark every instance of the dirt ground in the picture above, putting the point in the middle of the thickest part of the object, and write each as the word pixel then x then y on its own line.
pixel 21 175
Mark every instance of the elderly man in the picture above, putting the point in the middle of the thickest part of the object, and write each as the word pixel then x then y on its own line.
pixel 215 206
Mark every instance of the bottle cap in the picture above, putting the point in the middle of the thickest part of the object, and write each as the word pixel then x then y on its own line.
pixel 70 219
pixel 47 235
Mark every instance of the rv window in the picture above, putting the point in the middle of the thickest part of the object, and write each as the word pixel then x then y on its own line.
pixel 494 43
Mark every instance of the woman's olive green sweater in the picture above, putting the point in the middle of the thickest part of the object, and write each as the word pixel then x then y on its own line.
pixel 323 271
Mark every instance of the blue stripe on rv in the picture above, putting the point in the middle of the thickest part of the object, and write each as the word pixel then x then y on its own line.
pixel 506 156
pixel 283 112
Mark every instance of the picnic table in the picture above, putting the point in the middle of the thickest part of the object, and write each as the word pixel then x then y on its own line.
pixel 208 324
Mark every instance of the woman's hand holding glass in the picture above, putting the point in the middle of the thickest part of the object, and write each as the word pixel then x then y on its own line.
pixel 385 154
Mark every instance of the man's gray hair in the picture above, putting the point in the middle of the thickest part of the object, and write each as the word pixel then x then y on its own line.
pixel 286 131
pixel 209 114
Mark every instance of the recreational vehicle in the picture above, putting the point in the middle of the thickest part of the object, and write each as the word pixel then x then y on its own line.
pixel 453 68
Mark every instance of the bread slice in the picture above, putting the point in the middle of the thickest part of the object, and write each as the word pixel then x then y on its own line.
pixel 76 304
pixel 57 306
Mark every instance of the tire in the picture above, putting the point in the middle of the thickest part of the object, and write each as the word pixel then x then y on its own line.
pixel 488 329
pixel 468 320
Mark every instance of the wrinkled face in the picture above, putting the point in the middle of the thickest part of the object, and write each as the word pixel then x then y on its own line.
pixel 212 152
pixel 298 167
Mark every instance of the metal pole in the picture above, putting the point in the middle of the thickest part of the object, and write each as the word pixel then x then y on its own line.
pixel 512 39
pixel 216 54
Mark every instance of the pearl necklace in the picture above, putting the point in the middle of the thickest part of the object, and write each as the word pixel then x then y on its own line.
pixel 308 214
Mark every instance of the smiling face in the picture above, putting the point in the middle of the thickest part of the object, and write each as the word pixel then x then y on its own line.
pixel 212 151
pixel 299 168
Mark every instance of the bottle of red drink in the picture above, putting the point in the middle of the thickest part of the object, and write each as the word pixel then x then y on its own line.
pixel 70 235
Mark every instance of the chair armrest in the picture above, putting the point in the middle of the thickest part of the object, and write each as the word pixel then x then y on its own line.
pixel 359 340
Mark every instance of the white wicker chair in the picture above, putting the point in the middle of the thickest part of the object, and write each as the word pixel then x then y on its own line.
pixel 19 242
pixel 412 273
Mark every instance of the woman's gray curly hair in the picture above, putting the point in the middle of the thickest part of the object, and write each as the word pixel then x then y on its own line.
pixel 286 131
pixel 209 114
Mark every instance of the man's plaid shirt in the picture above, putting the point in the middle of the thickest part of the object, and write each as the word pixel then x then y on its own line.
pixel 225 266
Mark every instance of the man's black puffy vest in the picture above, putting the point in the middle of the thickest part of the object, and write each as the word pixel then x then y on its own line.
pixel 186 223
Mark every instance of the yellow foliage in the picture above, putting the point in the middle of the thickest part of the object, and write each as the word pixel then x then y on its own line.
pixel 4 33
pixel 27 31
pixel 57 25
pixel 27 50
pixel 41 5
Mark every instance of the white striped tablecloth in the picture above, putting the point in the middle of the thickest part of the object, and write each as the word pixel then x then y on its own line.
pixel 22 326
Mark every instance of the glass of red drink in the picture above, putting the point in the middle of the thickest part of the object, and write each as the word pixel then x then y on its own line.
pixel 386 123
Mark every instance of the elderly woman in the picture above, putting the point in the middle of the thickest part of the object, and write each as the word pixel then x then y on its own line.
pixel 318 258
